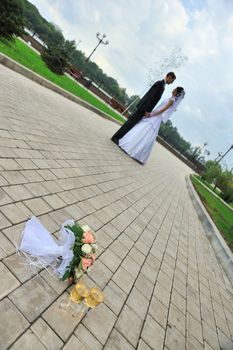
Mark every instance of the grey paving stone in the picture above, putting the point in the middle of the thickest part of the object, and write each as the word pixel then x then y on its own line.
pixel 176 319
pixel 28 341
pixel 4 222
pixel 159 312
pixel 153 334
pixel 46 335
pixel 194 328
pixel 210 336
pixel 119 249
pixel 117 342
pixel 8 281
pixel 36 189
pixel 87 338
pixel 38 206
pixel 100 321
pixel 101 274
pixel 15 213
pixel 17 265
pixel 61 321
pixel 130 325
pixel 131 266
pixel 114 297
pixel 54 201
pixel 16 323
pixel 18 192
pixel 75 343
pixel 33 297
pixel 4 198
pixel 123 279
pixel 174 339
pixel 6 245
pixel 110 259
pixel 144 286
pixel 138 303
pixel 143 346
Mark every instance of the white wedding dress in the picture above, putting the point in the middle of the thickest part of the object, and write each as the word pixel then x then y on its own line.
pixel 139 141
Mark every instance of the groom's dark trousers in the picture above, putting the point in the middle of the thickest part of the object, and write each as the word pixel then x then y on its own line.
pixel 146 104
pixel 129 124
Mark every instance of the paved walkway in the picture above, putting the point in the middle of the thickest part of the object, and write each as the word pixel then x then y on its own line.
pixel 163 285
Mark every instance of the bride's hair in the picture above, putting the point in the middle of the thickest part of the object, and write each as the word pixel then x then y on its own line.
pixel 180 92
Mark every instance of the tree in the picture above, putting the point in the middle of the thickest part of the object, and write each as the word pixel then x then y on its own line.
pixel 224 182
pixel 11 19
pixel 172 61
pixel 212 171
pixel 33 20
pixel 57 56
pixel 133 98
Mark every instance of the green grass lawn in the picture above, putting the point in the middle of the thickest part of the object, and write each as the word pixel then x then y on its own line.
pixel 20 52
pixel 210 186
pixel 220 213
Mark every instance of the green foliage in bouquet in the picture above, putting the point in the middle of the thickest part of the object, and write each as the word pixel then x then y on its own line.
pixel 84 252
pixel 78 233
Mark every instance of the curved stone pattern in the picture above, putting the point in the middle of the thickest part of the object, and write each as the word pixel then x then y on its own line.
pixel 164 286
pixel 219 245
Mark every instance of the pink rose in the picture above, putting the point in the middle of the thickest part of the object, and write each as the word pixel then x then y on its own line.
pixel 88 237
pixel 93 257
pixel 86 263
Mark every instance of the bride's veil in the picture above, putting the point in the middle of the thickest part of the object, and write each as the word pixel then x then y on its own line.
pixel 173 108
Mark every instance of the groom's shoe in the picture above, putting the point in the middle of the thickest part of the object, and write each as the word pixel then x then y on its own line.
pixel 116 141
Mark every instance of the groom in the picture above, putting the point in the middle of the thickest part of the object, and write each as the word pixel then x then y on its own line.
pixel 146 104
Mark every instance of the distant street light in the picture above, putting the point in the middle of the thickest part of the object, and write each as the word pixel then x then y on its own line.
pixel 224 155
pixel 219 155
pixel 101 41
pixel 205 144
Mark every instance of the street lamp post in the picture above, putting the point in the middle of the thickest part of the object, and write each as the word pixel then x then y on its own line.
pixel 101 41
pixel 218 156
pixel 224 155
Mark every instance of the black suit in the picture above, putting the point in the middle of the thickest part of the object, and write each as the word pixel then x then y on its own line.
pixel 146 104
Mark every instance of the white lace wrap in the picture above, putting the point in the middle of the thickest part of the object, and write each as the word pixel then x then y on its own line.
pixel 39 244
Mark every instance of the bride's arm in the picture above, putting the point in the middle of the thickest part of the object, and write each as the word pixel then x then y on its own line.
pixel 152 114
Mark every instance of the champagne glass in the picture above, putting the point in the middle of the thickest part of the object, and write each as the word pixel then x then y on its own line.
pixel 79 292
pixel 95 297
pixel 65 305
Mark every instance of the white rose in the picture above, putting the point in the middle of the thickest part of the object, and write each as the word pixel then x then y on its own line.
pixel 86 228
pixel 86 249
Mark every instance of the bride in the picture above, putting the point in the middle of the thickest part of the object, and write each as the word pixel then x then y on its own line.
pixel 138 142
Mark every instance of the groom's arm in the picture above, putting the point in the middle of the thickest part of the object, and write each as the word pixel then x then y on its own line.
pixel 153 114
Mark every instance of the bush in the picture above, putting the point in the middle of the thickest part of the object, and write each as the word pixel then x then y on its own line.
pixel 54 58
pixel 212 171
pixel 57 56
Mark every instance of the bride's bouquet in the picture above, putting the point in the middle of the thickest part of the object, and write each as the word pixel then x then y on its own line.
pixel 70 257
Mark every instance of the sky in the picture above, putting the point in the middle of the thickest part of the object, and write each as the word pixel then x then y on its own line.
pixel 142 35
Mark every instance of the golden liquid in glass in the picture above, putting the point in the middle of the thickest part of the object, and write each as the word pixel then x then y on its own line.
pixel 95 297
pixel 79 292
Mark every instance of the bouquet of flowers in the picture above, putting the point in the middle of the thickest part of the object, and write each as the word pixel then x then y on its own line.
pixel 84 250
pixel 70 257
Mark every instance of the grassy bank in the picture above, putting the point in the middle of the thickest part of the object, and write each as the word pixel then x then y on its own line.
pixel 23 54
pixel 220 213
